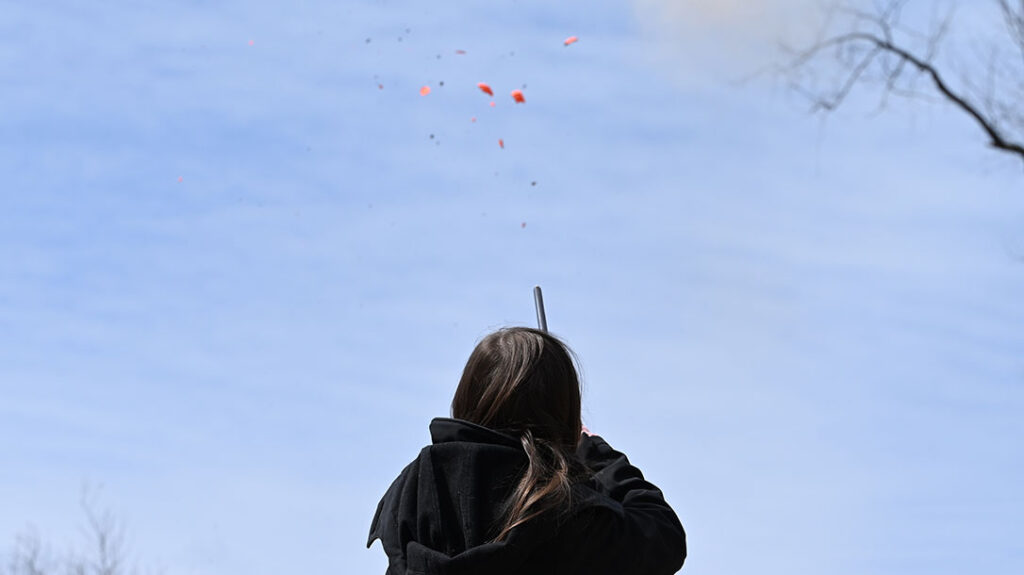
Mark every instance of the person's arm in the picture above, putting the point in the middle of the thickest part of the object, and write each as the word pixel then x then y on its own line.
pixel 637 531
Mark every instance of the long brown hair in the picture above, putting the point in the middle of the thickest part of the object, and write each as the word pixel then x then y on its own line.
pixel 523 381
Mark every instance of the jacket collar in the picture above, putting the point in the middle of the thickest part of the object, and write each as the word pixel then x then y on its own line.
pixel 446 429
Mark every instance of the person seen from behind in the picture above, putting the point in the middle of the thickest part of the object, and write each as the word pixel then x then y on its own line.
pixel 513 484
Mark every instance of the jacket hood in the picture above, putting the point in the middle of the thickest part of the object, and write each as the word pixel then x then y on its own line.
pixel 446 430
pixel 442 512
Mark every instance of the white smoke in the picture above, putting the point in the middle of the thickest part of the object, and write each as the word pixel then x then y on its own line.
pixel 724 39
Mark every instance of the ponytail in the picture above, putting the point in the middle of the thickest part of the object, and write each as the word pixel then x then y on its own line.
pixel 546 485
pixel 523 381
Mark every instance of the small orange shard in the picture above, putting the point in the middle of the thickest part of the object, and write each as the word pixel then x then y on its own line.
pixel 473 119
pixel 492 103
pixel 460 52
pixel 485 89
pixel 517 95
pixel 501 143
pixel 571 40
pixel 424 90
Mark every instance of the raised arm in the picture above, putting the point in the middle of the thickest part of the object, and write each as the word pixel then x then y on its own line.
pixel 633 531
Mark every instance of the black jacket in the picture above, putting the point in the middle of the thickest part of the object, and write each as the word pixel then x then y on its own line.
pixel 439 514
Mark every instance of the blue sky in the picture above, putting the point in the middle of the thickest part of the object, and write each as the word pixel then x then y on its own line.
pixel 808 333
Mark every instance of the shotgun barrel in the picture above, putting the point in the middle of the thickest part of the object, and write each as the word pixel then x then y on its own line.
pixel 538 300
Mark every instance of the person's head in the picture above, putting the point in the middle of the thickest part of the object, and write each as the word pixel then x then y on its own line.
pixel 521 379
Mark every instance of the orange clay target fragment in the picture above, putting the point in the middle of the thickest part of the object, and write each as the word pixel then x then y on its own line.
pixel 485 89
pixel 501 143
pixel 571 40
pixel 517 95
pixel 424 90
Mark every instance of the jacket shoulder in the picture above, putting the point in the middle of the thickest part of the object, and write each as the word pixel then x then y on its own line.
pixel 385 518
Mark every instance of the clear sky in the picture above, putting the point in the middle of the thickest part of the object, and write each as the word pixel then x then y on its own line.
pixel 243 260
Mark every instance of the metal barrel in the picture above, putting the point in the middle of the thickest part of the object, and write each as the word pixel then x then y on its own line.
pixel 538 300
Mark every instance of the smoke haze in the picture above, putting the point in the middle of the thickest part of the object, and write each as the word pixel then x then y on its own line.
pixel 724 39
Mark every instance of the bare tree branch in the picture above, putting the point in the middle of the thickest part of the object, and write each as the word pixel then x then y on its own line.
pixel 28 556
pixel 107 537
pixel 106 554
pixel 1014 18
pixel 997 138
pixel 876 48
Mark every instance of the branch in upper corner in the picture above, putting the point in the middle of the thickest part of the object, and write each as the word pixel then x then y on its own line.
pixel 861 48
